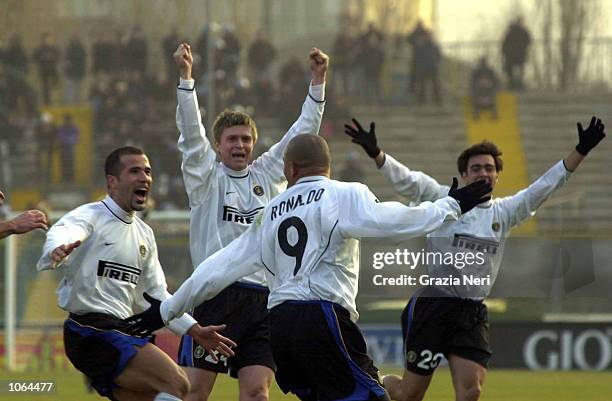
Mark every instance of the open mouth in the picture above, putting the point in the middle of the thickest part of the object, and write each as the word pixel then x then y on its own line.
pixel 141 195
pixel 239 156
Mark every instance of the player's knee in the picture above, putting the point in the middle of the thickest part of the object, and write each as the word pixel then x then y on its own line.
pixel 255 393
pixel 178 384
pixel 471 393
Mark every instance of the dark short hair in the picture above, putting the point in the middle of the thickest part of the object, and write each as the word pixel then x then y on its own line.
pixel 112 165
pixel 482 148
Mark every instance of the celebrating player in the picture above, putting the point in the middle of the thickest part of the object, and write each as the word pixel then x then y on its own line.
pixel 452 321
pixel 306 241
pixel 109 259
pixel 224 199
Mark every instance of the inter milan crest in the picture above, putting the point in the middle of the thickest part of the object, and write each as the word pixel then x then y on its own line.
pixel 143 251
pixel 258 190
pixel 495 226
pixel 411 356
pixel 198 352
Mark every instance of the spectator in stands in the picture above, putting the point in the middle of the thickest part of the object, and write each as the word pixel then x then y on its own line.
pixel 47 135
pixel 373 58
pixel 260 57
pixel 343 52
pixel 135 55
pixel 75 67
pixel 25 222
pixel 229 54
pixel 16 67
pixel 484 86
pixel 201 51
pixel 101 53
pixel 415 39
pixel 514 50
pixel 67 138
pixel 46 57
pixel 428 66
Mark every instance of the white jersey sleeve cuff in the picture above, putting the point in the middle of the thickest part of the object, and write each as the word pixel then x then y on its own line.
pixel 180 325
pixel 188 84
pixel 317 92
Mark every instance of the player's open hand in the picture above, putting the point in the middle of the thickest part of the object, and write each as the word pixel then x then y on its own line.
pixel 213 342
pixel 145 323
pixel 367 139
pixel 471 195
pixel 590 137
pixel 184 60
pixel 61 252
pixel 319 62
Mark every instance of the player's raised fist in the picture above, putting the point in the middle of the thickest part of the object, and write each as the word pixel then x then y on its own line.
pixel 319 62
pixel 184 60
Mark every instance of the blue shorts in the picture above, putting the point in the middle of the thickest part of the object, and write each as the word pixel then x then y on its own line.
pixel 96 347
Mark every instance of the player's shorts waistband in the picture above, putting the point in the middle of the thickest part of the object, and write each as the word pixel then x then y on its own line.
pixel 100 321
pixel 337 307
pixel 250 286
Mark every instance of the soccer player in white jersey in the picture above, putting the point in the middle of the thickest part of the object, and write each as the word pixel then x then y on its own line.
pixel 306 240
pixel 224 199
pixel 452 320
pixel 109 260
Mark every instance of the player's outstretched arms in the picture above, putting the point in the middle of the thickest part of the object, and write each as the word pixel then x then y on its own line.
pixel 587 140
pixel 24 223
pixel 471 195
pixel 319 63
pixel 184 60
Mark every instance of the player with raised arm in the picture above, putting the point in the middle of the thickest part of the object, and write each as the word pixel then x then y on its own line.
pixel 23 223
pixel 109 260
pixel 224 199
pixel 452 320
pixel 306 241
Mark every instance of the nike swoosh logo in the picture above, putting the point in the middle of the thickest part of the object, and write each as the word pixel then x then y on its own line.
pixel 108 243
pixel 230 192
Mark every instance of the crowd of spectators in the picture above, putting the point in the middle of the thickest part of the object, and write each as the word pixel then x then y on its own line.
pixel 134 101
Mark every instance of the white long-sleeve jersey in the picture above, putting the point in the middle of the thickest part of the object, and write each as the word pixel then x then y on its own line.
pixel 307 242
pixel 224 202
pixel 485 228
pixel 114 265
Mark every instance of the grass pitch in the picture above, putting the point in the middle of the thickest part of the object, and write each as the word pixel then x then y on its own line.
pixel 500 385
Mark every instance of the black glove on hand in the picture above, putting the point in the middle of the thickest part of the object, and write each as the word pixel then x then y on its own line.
pixel 470 195
pixel 364 138
pixel 145 323
pixel 590 137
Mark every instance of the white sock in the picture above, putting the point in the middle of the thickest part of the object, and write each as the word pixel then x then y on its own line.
pixel 165 397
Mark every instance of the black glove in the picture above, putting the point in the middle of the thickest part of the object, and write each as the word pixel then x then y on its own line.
pixel 145 323
pixel 470 195
pixel 591 137
pixel 364 138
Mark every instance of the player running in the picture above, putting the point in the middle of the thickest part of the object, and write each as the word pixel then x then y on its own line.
pixel 224 199
pixel 109 260
pixel 452 321
pixel 306 241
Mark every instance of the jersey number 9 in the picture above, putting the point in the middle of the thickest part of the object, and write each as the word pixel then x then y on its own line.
pixel 296 250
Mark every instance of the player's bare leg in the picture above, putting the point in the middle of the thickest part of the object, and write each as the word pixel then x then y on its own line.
pixel 202 382
pixel 468 378
pixel 254 382
pixel 151 371
pixel 411 387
